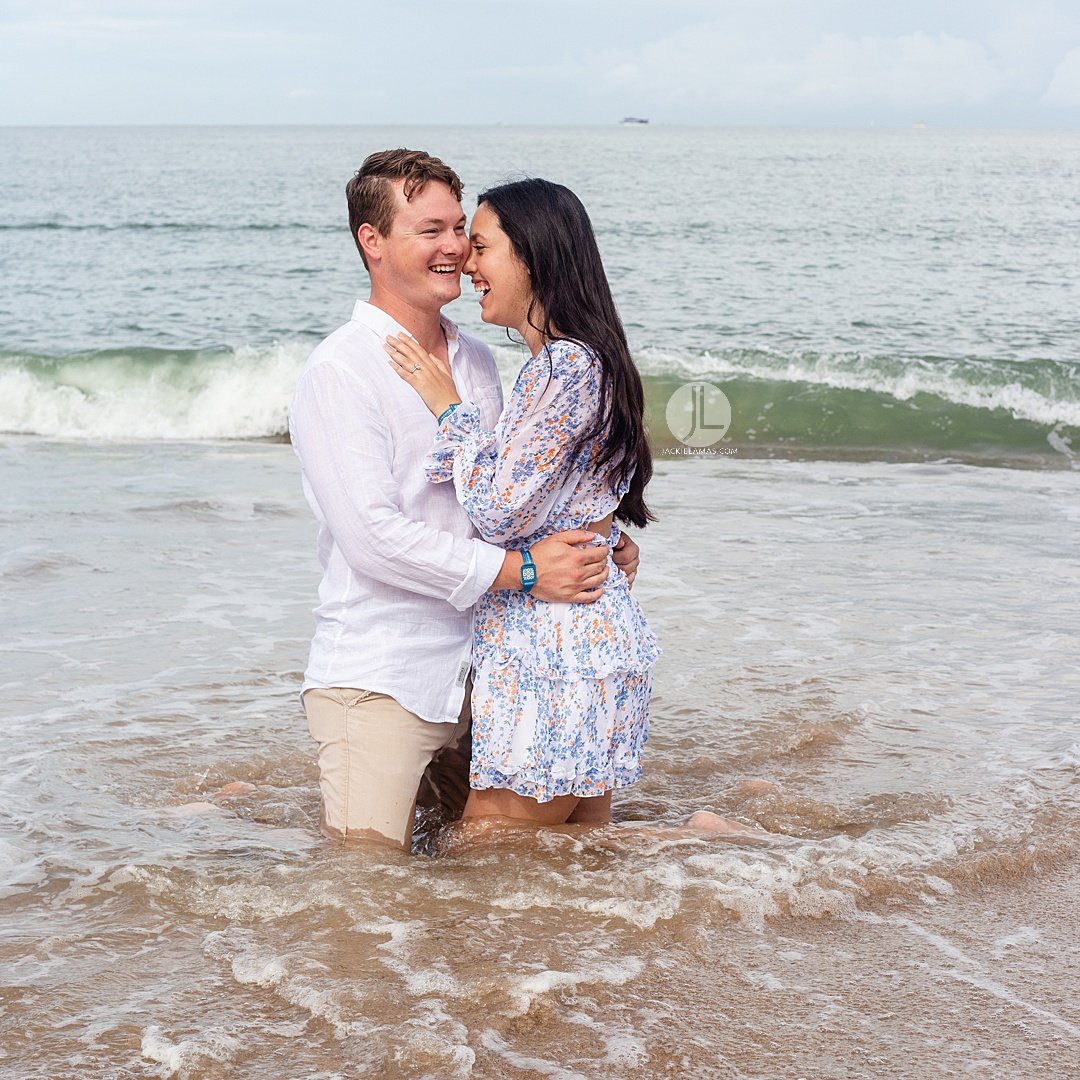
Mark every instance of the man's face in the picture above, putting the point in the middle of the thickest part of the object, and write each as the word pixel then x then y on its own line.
pixel 426 248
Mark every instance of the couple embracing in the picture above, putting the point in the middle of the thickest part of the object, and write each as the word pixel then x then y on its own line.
pixel 475 598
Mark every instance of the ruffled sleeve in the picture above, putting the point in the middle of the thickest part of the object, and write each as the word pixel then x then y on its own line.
pixel 509 480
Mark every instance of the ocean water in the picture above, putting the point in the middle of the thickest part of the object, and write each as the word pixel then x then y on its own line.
pixel 903 293
pixel 868 595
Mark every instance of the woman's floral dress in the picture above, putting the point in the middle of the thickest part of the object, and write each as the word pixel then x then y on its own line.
pixel 560 691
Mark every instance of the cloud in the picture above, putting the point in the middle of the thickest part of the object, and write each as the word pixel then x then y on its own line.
pixel 1064 88
pixel 685 61
pixel 706 66
pixel 916 70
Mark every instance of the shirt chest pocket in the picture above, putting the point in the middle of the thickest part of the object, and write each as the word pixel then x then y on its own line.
pixel 489 400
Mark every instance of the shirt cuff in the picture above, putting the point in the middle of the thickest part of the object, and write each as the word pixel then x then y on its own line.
pixel 462 422
pixel 487 561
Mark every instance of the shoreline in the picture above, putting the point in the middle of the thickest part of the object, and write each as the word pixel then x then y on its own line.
pixel 671 450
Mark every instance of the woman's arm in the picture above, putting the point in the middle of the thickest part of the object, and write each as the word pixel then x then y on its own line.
pixel 508 480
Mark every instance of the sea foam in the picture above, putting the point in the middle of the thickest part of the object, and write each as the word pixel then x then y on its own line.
pixel 1043 392
pixel 151 394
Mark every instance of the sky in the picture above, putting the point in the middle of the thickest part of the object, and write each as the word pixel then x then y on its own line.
pixel 980 62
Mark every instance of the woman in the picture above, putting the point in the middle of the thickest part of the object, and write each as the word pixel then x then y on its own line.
pixel 561 691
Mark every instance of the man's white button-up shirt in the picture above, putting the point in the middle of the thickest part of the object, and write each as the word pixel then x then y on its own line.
pixel 402 566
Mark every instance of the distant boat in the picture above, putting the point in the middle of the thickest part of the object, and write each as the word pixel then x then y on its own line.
pixel 634 120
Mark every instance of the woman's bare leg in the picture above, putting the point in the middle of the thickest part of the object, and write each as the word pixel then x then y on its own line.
pixel 595 810
pixel 706 823
pixel 497 809
pixel 510 806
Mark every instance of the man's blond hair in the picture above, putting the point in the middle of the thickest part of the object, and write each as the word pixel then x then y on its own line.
pixel 371 197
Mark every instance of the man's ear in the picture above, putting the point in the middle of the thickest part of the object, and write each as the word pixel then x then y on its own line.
pixel 370 242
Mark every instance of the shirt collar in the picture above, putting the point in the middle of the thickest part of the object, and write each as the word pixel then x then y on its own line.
pixel 377 320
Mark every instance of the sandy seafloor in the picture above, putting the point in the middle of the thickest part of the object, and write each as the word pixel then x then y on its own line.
pixel 895 645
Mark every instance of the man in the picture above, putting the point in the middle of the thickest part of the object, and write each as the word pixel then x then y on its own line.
pixel 386 690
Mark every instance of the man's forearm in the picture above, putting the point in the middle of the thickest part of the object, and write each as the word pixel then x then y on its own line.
pixel 570 568
pixel 509 577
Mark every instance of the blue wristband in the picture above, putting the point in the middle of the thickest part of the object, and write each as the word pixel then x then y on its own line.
pixel 448 412
pixel 528 571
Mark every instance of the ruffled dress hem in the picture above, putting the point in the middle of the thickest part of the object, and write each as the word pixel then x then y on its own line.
pixel 543 791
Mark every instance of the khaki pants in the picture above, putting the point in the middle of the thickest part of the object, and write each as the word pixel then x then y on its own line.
pixel 376 758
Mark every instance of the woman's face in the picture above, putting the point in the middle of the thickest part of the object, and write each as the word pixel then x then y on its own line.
pixel 498 275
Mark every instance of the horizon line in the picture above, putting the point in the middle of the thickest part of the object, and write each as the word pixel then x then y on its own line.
pixel 918 124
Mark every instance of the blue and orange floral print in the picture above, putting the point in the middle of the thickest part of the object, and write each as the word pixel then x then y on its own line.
pixel 560 691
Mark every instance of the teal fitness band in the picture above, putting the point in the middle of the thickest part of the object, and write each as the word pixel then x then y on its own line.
pixel 444 415
pixel 528 570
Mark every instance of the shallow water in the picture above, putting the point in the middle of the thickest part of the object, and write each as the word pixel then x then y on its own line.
pixel 894 645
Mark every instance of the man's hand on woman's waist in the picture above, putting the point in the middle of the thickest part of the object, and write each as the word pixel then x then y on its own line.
pixel 570 568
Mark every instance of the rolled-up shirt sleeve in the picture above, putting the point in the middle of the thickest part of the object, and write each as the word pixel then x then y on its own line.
pixel 345 451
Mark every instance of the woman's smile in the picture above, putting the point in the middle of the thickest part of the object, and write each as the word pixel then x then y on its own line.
pixel 499 277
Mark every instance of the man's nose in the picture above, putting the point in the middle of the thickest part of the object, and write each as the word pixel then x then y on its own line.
pixel 457 244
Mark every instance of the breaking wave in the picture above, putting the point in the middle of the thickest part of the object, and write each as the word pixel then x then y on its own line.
pixel 813 404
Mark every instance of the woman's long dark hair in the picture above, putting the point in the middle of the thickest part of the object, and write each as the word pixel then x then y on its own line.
pixel 550 232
